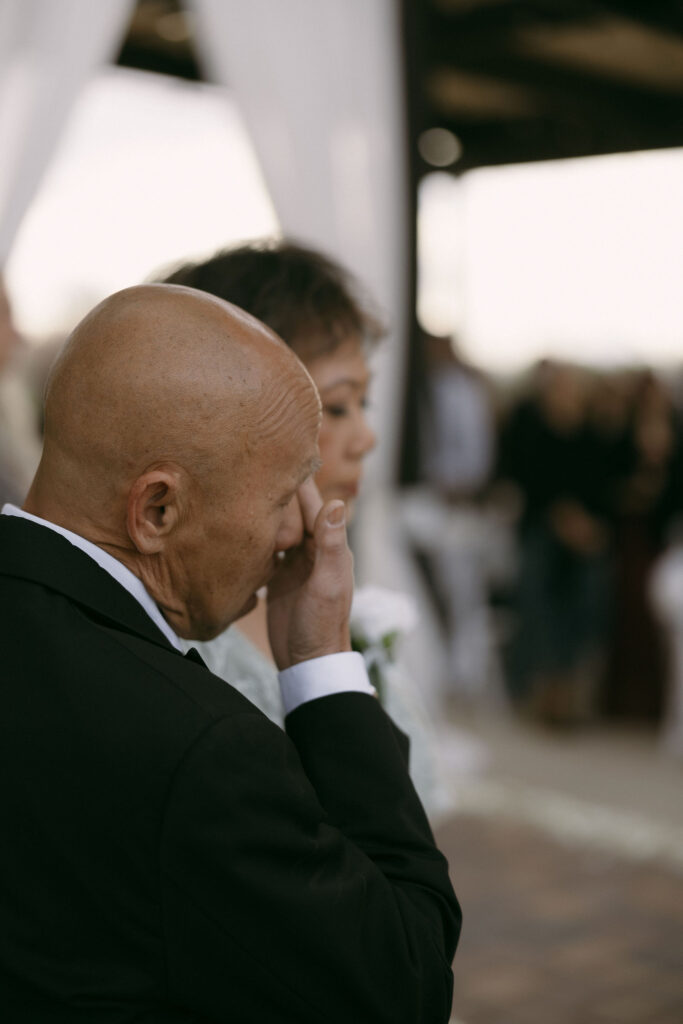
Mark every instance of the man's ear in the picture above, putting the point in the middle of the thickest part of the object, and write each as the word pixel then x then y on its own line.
pixel 153 508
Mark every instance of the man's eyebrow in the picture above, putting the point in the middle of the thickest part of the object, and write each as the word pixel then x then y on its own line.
pixel 310 469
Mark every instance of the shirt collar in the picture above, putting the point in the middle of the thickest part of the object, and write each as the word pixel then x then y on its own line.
pixel 118 570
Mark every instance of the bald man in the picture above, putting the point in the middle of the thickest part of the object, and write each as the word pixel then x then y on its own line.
pixel 168 854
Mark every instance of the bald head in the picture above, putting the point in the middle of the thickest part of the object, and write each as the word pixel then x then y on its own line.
pixel 156 374
pixel 177 431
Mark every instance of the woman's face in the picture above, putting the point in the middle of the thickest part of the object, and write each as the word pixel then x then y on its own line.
pixel 342 378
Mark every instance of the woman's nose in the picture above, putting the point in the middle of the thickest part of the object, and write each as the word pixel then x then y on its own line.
pixel 365 438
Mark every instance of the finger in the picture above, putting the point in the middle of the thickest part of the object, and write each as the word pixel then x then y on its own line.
pixel 310 503
pixel 332 516
pixel 332 576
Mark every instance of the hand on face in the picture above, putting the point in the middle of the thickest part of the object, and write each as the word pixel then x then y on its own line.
pixel 309 598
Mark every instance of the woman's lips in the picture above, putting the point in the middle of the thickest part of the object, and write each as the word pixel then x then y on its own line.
pixel 348 491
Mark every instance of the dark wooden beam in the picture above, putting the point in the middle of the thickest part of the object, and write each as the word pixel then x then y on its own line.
pixel 412 19
pixel 578 111
pixel 500 57
pixel 664 15
pixel 499 19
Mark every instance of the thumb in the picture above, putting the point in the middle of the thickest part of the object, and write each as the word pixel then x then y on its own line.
pixel 333 561
pixel 330 527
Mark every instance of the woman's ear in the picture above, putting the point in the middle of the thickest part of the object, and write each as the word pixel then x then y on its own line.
pixel 153 509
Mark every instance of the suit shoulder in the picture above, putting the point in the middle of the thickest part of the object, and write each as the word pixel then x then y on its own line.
pixel 54 648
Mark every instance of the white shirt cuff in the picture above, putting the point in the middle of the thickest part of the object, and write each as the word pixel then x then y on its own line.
pixel 320 677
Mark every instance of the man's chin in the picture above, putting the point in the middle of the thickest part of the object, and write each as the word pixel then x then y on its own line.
pixel 247 607
pixel 209 631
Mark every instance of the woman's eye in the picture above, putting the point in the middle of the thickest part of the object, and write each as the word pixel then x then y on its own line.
pixel 336 410
pixel 340 409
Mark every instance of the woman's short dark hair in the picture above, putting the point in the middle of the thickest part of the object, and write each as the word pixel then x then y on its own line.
pixel 305 297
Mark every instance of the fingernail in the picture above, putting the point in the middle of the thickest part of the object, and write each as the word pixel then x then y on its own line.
pixel 337 515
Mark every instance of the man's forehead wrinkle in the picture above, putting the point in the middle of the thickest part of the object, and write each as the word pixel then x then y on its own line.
pixel 287 399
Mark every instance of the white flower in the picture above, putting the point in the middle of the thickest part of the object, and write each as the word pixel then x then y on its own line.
pixel 377 613
pixel 378 618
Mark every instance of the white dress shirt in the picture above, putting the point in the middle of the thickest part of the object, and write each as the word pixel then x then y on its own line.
pixel 300 683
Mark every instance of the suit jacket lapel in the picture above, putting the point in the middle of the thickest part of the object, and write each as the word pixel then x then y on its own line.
pixel 33 552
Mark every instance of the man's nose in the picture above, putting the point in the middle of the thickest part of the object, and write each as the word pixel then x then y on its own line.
pixel 291 530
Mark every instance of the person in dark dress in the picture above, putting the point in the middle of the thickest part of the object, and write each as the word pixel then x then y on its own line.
pixel 560 600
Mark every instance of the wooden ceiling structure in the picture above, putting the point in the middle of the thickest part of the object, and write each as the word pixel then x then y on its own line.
pixel 524 80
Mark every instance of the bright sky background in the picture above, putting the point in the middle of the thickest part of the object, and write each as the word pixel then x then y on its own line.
pixel 580 258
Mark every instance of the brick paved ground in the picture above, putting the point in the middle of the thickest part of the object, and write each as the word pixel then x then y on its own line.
pixel 559 934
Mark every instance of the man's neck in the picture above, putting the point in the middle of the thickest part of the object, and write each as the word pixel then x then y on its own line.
pixel 113 566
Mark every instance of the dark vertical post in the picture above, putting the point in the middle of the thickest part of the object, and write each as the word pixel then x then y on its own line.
pixel 412 36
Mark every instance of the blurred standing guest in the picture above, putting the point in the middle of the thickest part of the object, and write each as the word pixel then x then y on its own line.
pixel 458 458
pixel 561 598
pixel 665 586
pixel 666 595
pixel 645 501
pixel 458 423
pixel 609 412
pixel 19 445
pixel 321 313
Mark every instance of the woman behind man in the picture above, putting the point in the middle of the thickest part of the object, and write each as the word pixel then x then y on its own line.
pixel 317 309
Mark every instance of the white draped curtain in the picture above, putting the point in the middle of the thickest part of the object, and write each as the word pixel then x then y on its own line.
pixel 320 87
pixel 48 50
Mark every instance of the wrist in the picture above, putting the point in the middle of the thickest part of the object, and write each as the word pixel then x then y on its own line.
pixel 299 652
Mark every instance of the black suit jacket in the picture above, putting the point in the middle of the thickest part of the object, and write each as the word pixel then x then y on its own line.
pixel 169 855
